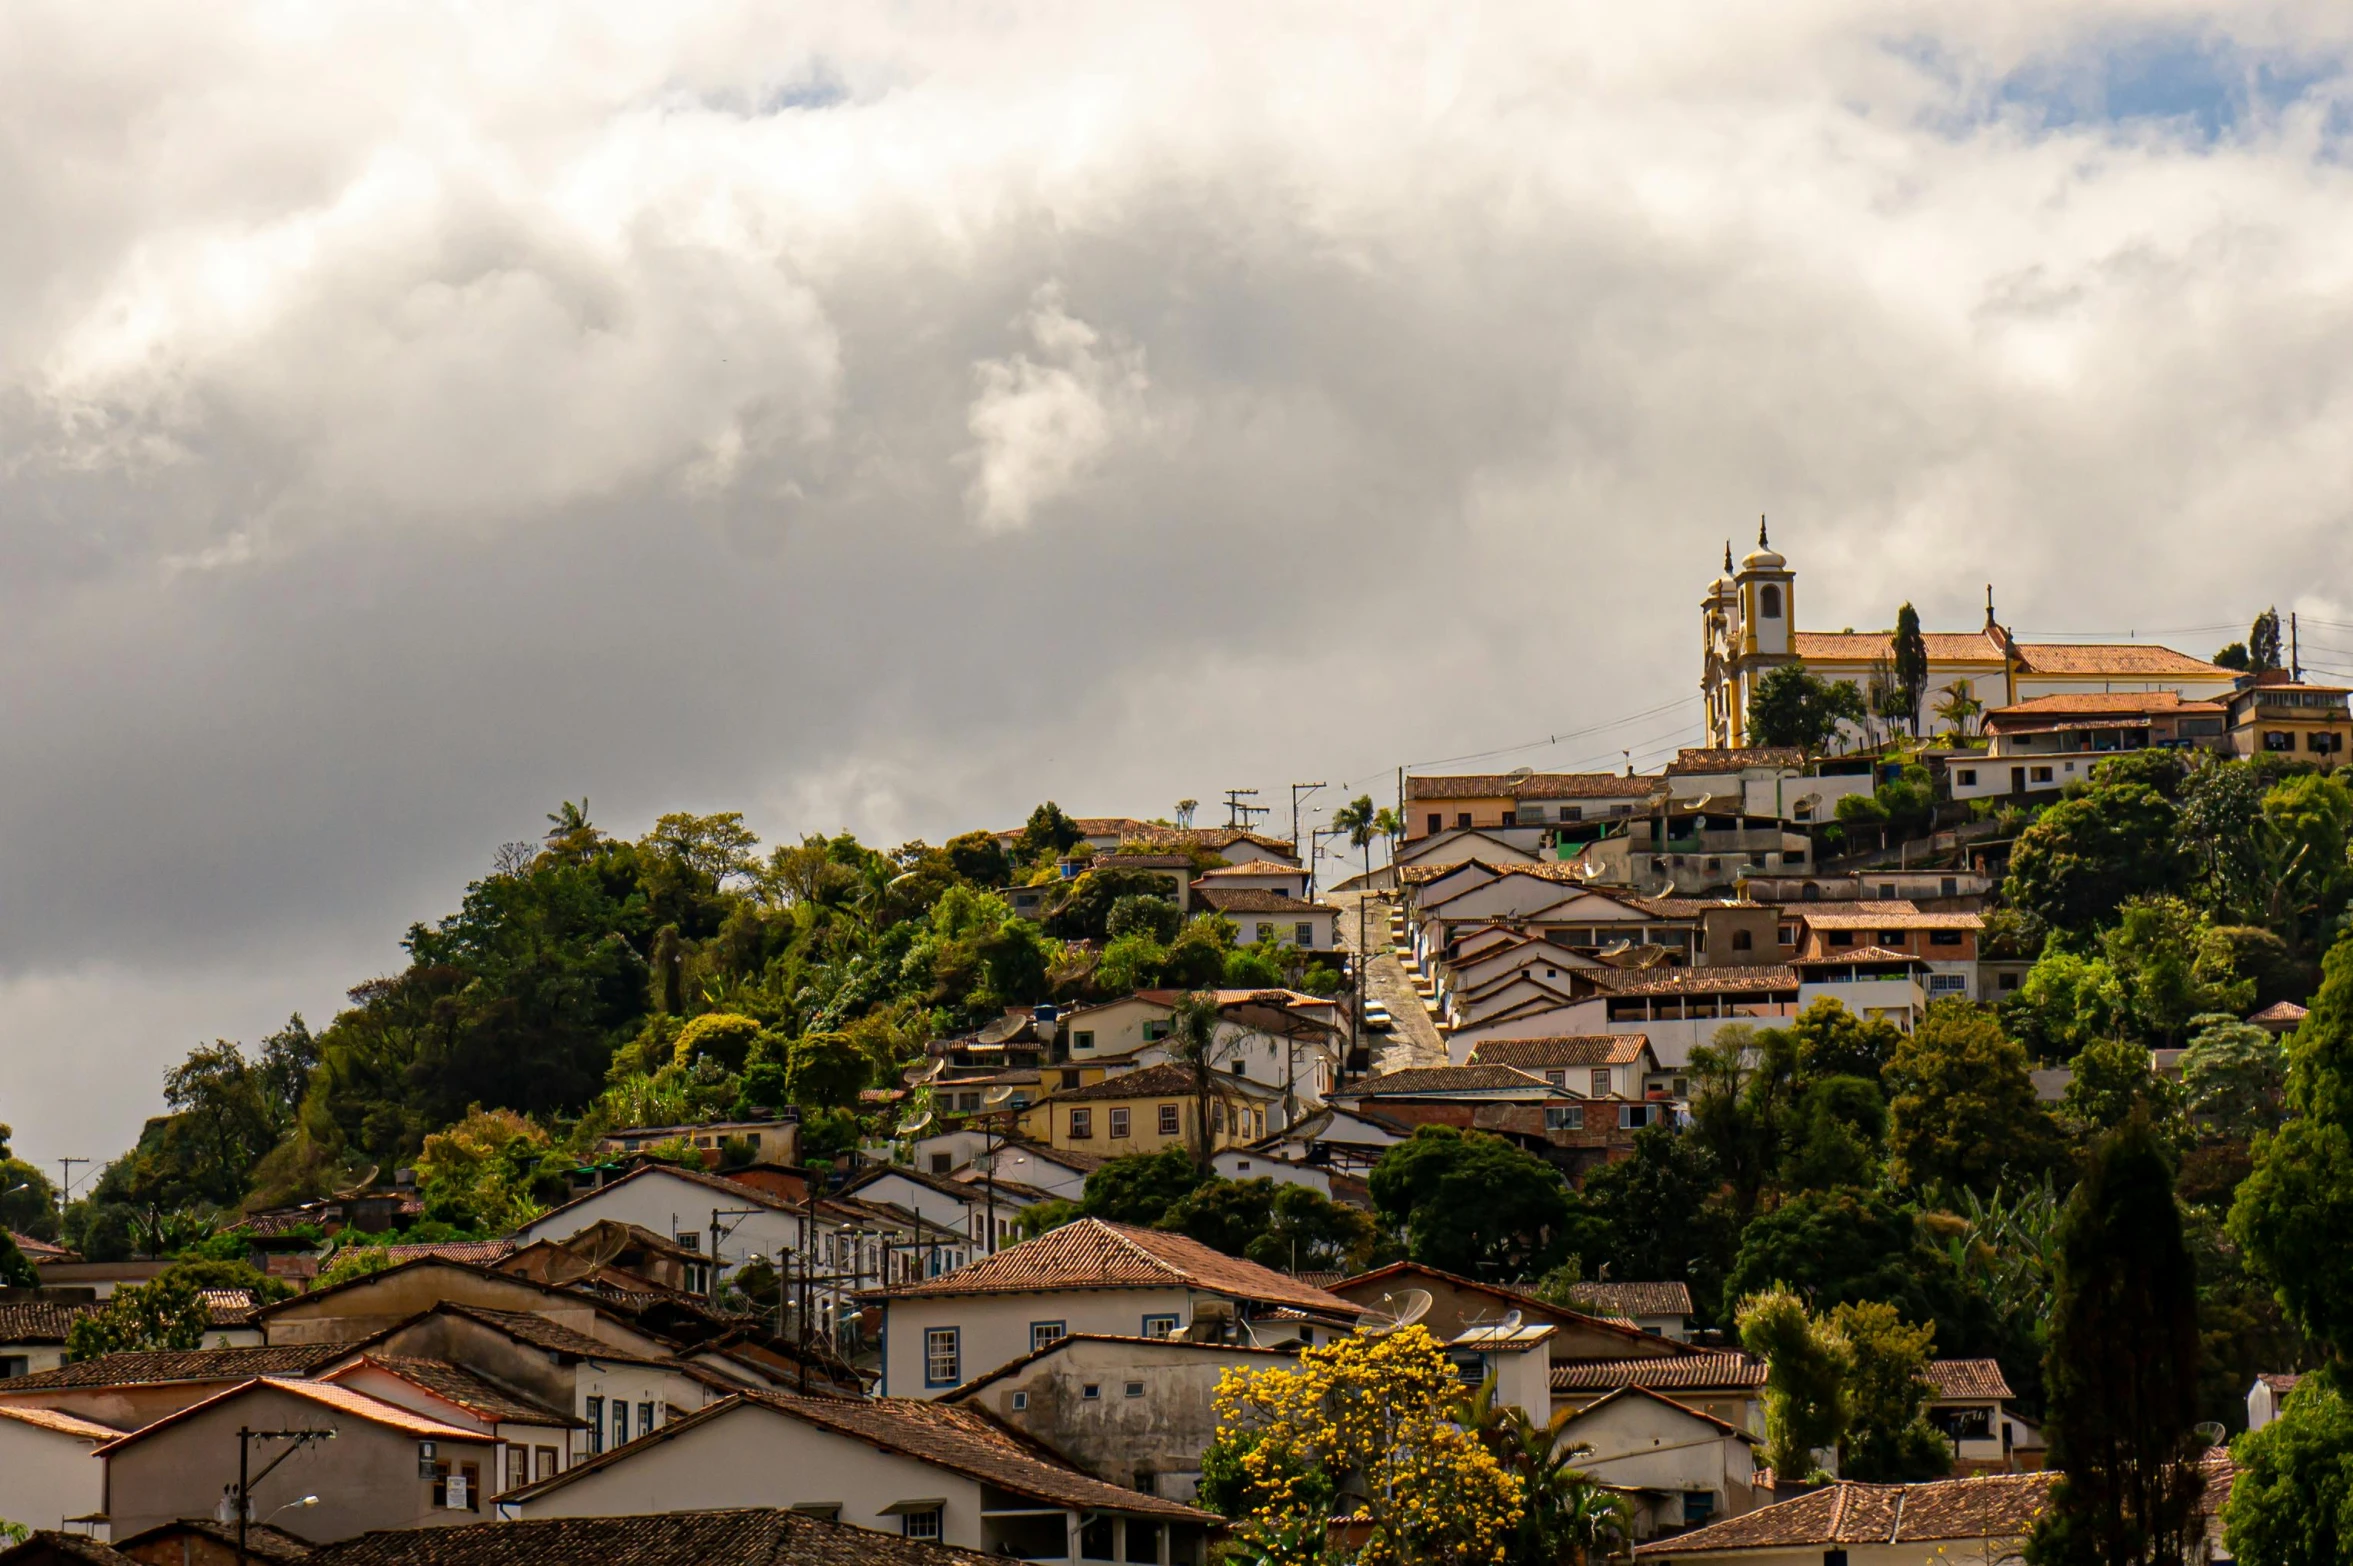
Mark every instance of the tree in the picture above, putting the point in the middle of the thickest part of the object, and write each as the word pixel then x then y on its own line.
pixel 1193 1042
pixel 1791 707
pixel 1472 1203
pixel 1962 1110
pixel 2294 1212
pixel 1806 1367
pixel 1833 1042
pixel 1364 826
pixel 2263 642
pixel 2123 1369
pixel 2232 656
pixel 1287 1227
pixel 2113 1082
pixel 1363 1425
pixel 826 1070
pixel 2291 1501
pixel 493 1171
pixel 723 1036
pixel 1888 1437
pixel 1911 664
pixel 1149 915
pixel 1650 1216
pixel 1085 914
pixel 1836 1132
pixel 15 1271
pixel 1048 834
pixel 2233 1077
pixel 1564 1516
pixel 28 1203
pixel 1959 709
pixel 167 1313
pixel 2216 834
pixel 2090 852
pixel 1834 1247
pixel 1743 1085
pixel 2170 966
pixel 2300 842
pixel 979 858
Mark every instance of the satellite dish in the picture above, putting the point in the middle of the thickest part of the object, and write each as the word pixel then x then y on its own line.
pixel 1522 772
pixel 1510 1323
pixel 995 1096
pixel 930 1073
pixel 360 1186
pixel 570 1266
pixel 1397 1310
pixel 916 1125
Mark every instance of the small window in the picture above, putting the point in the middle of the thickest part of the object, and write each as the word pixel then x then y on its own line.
pixel 2043 774
pixel 1742 941
pixel 941 1163
pixel 1564 1117
pixel 1966 777
pixel 593 1413
pixel 1021 1402
pixel 1462 820
pixel 1845 938
pixel 1303 934
pixel 518 1467
pixel 1044 1333
pixel 1510 818
pixel 620 1423
pixel 1796 856
pixel 1769 602
pixel 1118 1123
pixel 1082 1124
pixel 921 1525
pixel 1083 1039
pixel 1893 940
pixel 645 1419
pixel 1572 813
pixel 1160 1326
pixel 1135 1389
pixel 943 1357
pixel 1168 1120
pixel 1601 1081
pixel 1944 937
pixel 1632 1117
pixel 1070 1078
pixel 1437 823
pixel 1090 1392
pixel 1559 1079
pixel 1949 886
pixel 688 1240
pixel 543 1462
pixel 1788 934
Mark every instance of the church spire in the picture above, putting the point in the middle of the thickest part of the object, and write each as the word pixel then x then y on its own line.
pixel 1761 540
pixel 1989 606
pixel 1727 557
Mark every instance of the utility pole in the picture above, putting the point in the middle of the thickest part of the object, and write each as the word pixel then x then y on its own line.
pixel 246 1479
pixel 65 1186
pixel 1239 814
pixel 1298 791
pixel 2295 658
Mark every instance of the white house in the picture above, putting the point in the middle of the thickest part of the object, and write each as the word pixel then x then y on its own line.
pixel 47 1471
pixel 1259 875
pixel 1516 1356
pixel 33 1334
pixel 1969 1407
pixel 1591 1065
pixel 2265 1397
pixel 1095 1277
pixel 982 1210
pixel 1646 1440
pixel 535 1440
pixel 1983 1519
pixel 922 1470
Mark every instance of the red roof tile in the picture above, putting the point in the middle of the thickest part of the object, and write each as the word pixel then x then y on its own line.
pixel 1996 1506
pixel 1968 1378
pixel 1088 1253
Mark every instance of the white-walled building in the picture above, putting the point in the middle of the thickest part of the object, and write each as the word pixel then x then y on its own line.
pixel 48 1470
pixel 1645 1440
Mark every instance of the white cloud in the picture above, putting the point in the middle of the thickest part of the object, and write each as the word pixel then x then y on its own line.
pixel 1040 425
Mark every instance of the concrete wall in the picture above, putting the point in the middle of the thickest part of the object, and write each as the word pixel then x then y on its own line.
pixel 995 1328
pixel 1644 1444
pixel 47 1476
pixel 367 1477
pixel 125 1408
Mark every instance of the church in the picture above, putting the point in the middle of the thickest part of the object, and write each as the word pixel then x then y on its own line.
pixel 1749 628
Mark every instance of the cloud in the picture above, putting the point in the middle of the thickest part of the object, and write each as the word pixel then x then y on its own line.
pixel 886 420
pixel 1039 427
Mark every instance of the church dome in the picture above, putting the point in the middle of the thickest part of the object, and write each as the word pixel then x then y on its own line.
pixel 1762 560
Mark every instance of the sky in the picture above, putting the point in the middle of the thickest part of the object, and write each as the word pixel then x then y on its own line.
pixel 886 417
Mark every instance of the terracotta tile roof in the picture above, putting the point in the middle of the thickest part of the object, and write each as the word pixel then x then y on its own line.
pixel 2103 703
pixel 456 1384
pixel 2281 1011
pixel 1449 1079
pixel 1088 1253
pixel 340 1400
pixel 1703 761
pixel 262 1542
pixel 1866 646
pixel 63 1424
pixel 1634 1299
pixel 40 1250
pixel 42 1321
pixel 1162 1081
pixel 1761 979
pixel 480 1252
pixel 1574 1049
pixel 1255 867
pixel 761 1537
pixel 2280 1383
pixel 1123 861
pixel 1968 1378
pixel 1996 1506
pixel 2096 658
pixel 1646 1395
pixel 1707 1370
pixel 1531 785
pixel 164 1367
pixel 48 1544
pixel 1893 916
pixel 1215 839
pixel 541 1333
pixel 1254 899
pixel 1843 955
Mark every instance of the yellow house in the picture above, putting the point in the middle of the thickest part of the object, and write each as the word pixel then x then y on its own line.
pixel 1147 1110
pixel 2279 716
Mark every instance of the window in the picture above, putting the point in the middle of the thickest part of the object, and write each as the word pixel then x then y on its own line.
pixel 1090 1392
pixel 543 1459
pixel 1698 1507
pixel 1135 1389
pixel 1462 819
pixel 1510 818
pixel 1044 1333
pixel 1564 1117
pixel 1742 941
pixel 1572 813
pixel 1082 1124
pixel 518 1467
pixel 941 1163
pixel 457 1487
pixel 1020 1402
pixel 924 1524
pixel 1601 1082
pixel 15 1365
pixel 1559 1079
pixel 1303 934
pixel 1160 1326
pixel 1787 934
pixel 1947 984
pixel 1633 1117
pixel 1084 1038
pixel 1888 892
pixel 2043 774
pixel 645 1419
pixel 1966 777
pixel 1168 1120
pixel 1258 1123
pixel 943 1356
pixel 1679 1087
pixel 1796 856
pixel 1769 602
pixel 688 1240
pixel 620 1423
pixel 1069 1078
pixel 2324 744
pixel 1893 940
pixel 1260 932
pixel 1844 938
pixel 1154 1032
pixel 1119 1122
pixel 1437 822
pixel 595 1420
pixel 1944 937
pixel 2278 739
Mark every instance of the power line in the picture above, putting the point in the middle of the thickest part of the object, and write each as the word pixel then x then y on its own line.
pixel 1555 739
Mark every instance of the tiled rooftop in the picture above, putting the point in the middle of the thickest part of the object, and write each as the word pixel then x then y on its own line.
pixel 1088 1253
pixel 1997 1506
pixel 722 1538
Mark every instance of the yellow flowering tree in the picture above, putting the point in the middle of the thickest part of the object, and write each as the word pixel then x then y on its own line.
pixel 1363 1429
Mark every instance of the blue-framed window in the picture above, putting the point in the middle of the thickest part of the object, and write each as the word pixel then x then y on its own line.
pixel 1161 1326
pixel 1042 1333
pixel 943 1356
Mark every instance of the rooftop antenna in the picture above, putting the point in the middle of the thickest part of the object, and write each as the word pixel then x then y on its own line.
pixel 1395 1311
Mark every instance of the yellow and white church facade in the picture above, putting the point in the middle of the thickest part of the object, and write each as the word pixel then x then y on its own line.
pixel 1749 627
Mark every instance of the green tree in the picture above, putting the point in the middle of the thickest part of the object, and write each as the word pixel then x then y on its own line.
pixel 1141 1187
pixel 979 858
pixel 2216 832
pixel 15 1271
pixel 2263 642
pixel 1836 1134
pixel 2170 966
pixel 1792 707
pixel 1744 1086
pixel 1959 709
pixel 1888 1437
pixel 1651 1215
pixel 1962 1109
pixel 1807 1364
pixel 1195 1041
pixel 826 1070
pixel 28 1203
pixel 493 1171
pixel 1565 1516
pixel 2123 1369
pixel 2291 1501
pixel 1308 1231
pixel 2092 851
pixel 1048 834
pixel 2302 838
pixel 167 1313
pixel 2234 1077
pixel 1150 915
pixel 1132 962
pixel 1472 1203
pixel 2232 656
pixel 1911 664
pixel 722 1036
pixel 1834 1247
pixel 1085 914
pixel 1833 1042
pixel 2113 1082
pixel 2066 1002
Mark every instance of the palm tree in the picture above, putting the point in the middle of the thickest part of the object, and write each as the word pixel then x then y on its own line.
pixel 1566 1516
pixel 1362 824
pixel 1193 1041
pixel 1958 708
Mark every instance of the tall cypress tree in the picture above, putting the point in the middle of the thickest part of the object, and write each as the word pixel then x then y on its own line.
pixel 1911 664
pixel 2123 1369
